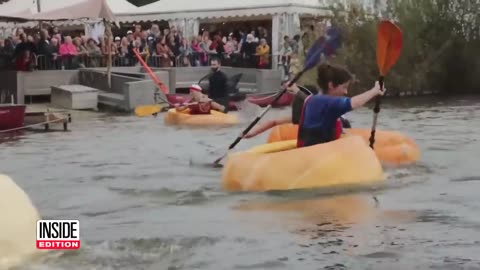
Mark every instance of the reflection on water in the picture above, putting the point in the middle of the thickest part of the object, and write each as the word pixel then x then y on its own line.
pixel 335 210
pixel 11 137
pixel 142 205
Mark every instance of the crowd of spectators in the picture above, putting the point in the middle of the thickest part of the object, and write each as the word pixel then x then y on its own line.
pixel 160 48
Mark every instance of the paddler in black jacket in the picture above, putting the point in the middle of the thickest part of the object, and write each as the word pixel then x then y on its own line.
pixel 297 105
pixel 217 89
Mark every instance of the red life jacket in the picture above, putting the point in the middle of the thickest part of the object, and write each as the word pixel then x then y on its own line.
pixel 302 133
pixel 200 107
pixel 338 129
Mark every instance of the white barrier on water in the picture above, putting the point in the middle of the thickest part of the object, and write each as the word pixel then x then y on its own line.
pixel 18 219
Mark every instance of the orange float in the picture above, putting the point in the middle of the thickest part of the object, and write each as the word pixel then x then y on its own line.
pixel 392 148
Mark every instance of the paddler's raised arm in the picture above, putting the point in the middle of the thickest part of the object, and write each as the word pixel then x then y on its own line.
pixel 360 100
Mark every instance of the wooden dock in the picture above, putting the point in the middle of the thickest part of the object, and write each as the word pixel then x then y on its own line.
pixel 47 120
pixel 42 117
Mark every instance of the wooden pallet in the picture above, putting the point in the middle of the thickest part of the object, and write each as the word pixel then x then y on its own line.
pixel 48 119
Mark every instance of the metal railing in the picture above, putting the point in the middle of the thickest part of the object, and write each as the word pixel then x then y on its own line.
pixel 58 62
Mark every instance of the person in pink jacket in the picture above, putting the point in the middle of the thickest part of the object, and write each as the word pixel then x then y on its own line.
pixel 67 48
pixel 67 52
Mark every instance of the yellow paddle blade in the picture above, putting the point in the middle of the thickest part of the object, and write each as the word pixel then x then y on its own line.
pixel 147 110
pixel 389 46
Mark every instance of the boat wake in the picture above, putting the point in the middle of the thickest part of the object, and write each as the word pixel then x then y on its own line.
pixel 138 253
pixel 168 196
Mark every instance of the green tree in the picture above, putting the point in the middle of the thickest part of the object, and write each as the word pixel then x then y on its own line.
pixel 440 46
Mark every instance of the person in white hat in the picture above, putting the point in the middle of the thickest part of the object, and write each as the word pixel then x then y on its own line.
pixel 130 36
pixel 117 41
pixel 200 103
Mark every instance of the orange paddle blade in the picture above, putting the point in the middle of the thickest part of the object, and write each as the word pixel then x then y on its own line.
pixel 147 110
pixel 389 46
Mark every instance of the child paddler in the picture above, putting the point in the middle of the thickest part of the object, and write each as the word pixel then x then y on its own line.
pixel 199 103
pixel 320 117
pixel 294 117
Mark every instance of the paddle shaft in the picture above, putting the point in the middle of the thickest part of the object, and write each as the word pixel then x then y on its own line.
pixel 204 77
pixel 311 60
pixel 279 95
pixel 376 110
pixel 148 69
pixel 153 77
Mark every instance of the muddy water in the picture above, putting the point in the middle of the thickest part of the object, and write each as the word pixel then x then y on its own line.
pixel 145 200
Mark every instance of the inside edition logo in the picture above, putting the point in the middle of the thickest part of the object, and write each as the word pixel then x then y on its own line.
pixel 58 234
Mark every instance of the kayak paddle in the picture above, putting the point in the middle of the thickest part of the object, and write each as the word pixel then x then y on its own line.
pixel 149 110
pixel 311 60
pixel 389 46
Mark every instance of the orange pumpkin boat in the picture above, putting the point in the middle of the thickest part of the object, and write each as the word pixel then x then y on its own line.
pixel 391 147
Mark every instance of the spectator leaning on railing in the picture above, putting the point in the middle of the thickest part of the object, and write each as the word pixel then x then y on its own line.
pixel 176 37
pixel 144 38
pixel 94 53
pixel 185 53
pixel 142 50
pixel 248 51
pixel 229 46
pixel 6 53
pixel 43 43
pixel 104 47
pixel 54 55
pixel 285 55
pixel 199 54
pixel 123 52
pixel 263 54
pixel 217 46
pixel 55 50
pixel 204 45
pixel 173 46
pixel 57 34
pixel 81 51
pixel 24 54
pixel 155 31
pixel 130 37
pixel 123 48
pixel 138 32
pixel 68 52
pixel 118 42
pixel 163 52
pixel 45 51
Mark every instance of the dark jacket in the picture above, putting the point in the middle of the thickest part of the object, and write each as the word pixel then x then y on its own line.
pixel 218 85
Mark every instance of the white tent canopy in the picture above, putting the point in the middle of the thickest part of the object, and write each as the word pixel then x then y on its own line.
pixel 29 9
pixel 84 9
pixel 194 9
pixel 62 13
pixel 15 6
